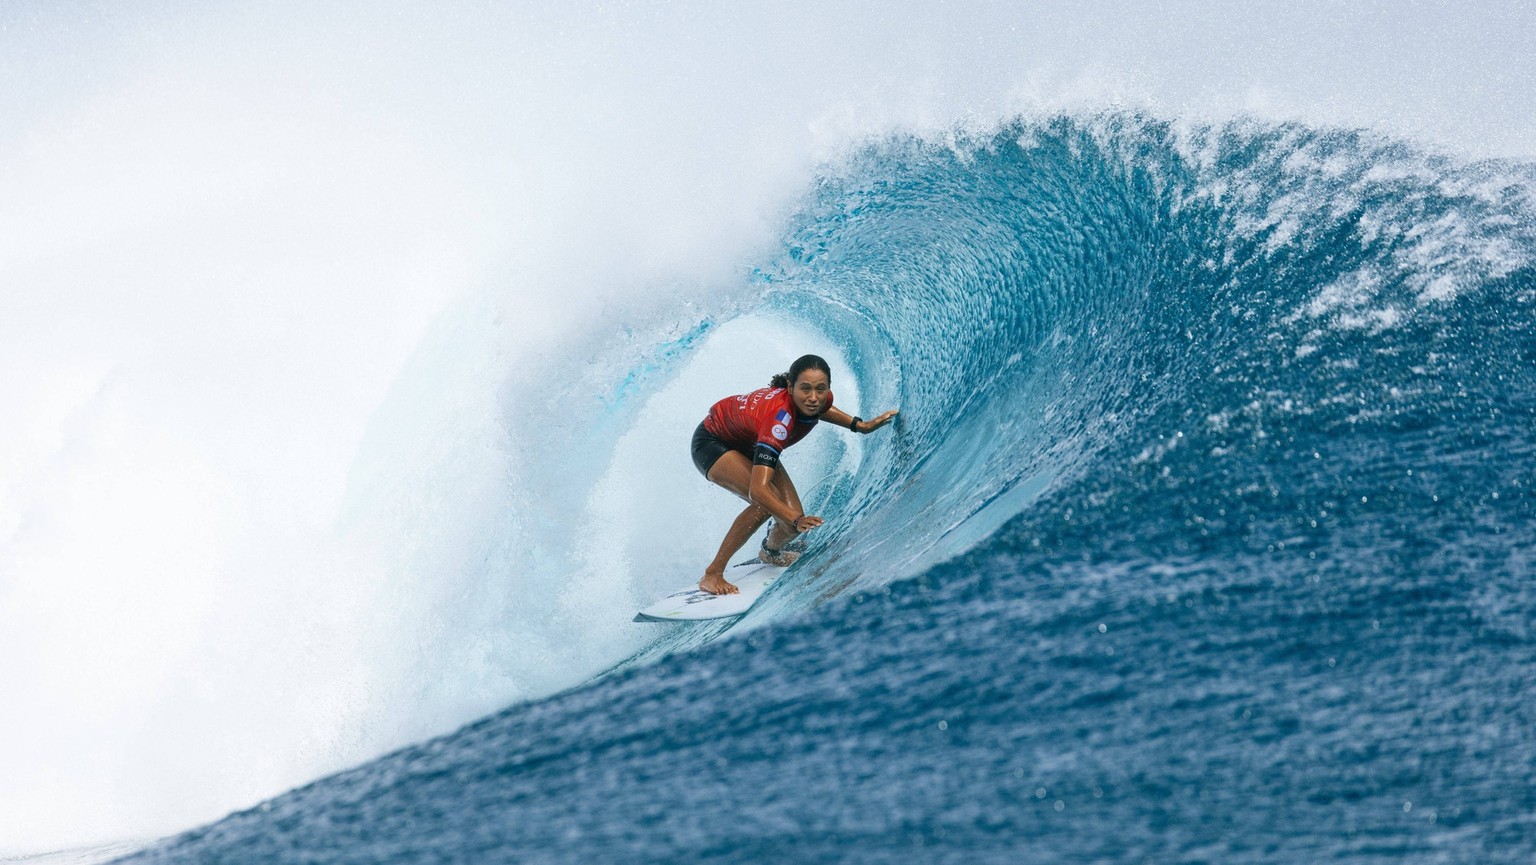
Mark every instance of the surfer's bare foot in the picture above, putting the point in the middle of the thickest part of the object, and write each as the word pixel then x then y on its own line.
pixel 715 584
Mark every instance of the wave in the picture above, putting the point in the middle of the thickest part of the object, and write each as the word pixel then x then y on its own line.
pixel 1201 424
pixel 1156 337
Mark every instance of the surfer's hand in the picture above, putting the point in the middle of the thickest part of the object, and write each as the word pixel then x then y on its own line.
pixel 715 584
pixel 875 423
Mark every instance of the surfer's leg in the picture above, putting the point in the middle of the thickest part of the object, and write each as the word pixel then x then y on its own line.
pixel 732 471
pixel 783 533
pixel 742 528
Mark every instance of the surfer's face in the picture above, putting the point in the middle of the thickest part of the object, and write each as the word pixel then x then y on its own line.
pixel 810 392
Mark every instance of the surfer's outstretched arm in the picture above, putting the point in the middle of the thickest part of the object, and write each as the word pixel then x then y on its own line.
pixel 837 417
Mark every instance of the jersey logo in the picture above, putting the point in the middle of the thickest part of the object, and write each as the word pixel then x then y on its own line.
pixel 779 432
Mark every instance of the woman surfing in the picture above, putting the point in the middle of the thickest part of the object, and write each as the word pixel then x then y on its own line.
pixel 738 446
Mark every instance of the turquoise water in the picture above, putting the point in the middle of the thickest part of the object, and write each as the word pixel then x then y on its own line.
pixel 1205 535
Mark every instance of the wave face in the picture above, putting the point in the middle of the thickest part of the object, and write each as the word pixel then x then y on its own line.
pixel 1205 533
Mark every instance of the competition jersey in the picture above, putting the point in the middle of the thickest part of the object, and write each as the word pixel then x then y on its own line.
pixel 763 422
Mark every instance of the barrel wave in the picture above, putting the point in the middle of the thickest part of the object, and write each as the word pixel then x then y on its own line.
pixel 1205 534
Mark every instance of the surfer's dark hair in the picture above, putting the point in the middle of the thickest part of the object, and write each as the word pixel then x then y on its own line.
pixel 806 361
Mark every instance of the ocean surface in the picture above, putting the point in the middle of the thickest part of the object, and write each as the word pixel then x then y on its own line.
pixel 1206 533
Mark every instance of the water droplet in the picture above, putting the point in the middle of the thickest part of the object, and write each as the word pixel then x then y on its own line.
pixel 1039 792
pixel 1060 805
pixel 1407 806
pixel 943 725
pixel 1102 629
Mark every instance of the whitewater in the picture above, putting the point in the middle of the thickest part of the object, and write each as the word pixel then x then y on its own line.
pixel 348 358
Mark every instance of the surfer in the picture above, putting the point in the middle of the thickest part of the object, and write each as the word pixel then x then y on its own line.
pixel 738 446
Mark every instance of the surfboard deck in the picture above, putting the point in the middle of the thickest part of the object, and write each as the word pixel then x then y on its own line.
pixel 696 605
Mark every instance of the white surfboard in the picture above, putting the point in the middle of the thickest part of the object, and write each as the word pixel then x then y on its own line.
pixel 693 604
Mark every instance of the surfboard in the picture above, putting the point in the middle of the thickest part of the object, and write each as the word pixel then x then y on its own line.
pixel 695 605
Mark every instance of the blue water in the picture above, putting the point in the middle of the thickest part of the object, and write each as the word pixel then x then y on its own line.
pixel 1205 535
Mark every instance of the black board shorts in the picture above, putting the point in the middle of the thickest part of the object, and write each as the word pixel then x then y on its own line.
pixel 708 448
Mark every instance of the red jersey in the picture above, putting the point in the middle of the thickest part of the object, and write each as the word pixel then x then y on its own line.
pixel 763 423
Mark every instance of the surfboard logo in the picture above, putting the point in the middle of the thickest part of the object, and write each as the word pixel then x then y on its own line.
pixel 779 432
